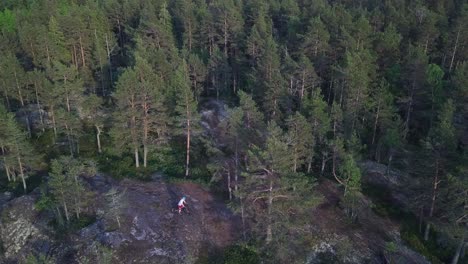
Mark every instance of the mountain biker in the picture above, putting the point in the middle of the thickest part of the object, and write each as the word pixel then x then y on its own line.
pixel 181 204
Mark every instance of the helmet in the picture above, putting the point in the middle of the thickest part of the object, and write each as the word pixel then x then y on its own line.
pixel 183 197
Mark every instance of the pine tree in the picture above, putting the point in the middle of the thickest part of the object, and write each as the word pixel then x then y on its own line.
pixel 93 111
pixel 116 203
pixel 243 129
pixel 141 119
pixel 125 129
pixel 66 186
pixel 350 175
pixel 359 75
pixel 270 181
pixel 441 142
pixel 301 140
pixel 187 119
pixel 434 75
pixel 315 41
pixel 19 158
pixel 316 112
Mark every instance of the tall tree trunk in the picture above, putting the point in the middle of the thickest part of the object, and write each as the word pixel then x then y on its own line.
pixel 324 162
pixel 376 122
pixel 303 85
pixel 242 218
pixel 5 92
pixel 109 60
pixel 225 35
pixel 187 163
pixel 18 89
pixel 460 246
pixel 59 215
pixel 75 56
pixel 454 50
pixel 100 64
pixel 54 125
pixel 66 93
pixel 390 158
pixel 145 107
pixel 20 96
pixel 70 143
pixel 20 164
pixel 77 205
pixel 5 165
pixel 137 161
pixel 145 155
pixel 98 138
pixel 426 45
pixel 334 168
pixel 122 51
pixel 229 183
pixel 269 231
pixel 433 200
pixel 65 208
pixel 408 111
pixel 39 106
pixel 295 160
pixel 236 161
pixel 190 35
pixel 82 53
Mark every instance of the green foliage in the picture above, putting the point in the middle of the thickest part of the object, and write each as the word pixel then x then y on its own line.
pixel 415 243
pixel 7 21
pixel 45 202
pixel 391 247
pixel 40 259
pixel 82 222
pixel 117 167
pixel 241 254
pixel 233 254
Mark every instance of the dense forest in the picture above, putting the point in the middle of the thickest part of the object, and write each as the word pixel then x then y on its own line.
pixel 311 90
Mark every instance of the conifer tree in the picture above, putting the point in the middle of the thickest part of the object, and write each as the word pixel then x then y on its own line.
pixel 270 181
pixel 440 142
pixel 301 140
pixel 19 158
pixel 187 119
pixel 315 41
pixel 66 186
pixel 141 119
pixel 93 111
pixel 350 178
pixel 116 203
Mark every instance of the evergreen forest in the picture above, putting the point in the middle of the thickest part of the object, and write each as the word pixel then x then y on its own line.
pixel 274 106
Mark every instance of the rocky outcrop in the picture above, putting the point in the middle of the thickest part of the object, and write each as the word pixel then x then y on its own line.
pixel 394 182
pixel 150 232
pixel 22 230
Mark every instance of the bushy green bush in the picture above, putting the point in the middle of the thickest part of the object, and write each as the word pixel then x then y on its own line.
pixel 241 254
